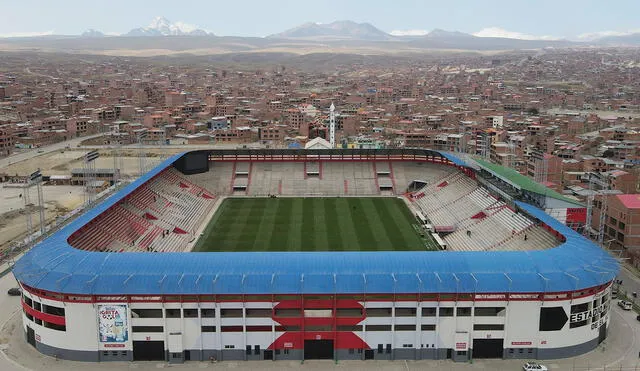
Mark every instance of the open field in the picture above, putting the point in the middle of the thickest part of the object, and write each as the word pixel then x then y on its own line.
pixel 312 224
pixel 58 201
pixel 62 162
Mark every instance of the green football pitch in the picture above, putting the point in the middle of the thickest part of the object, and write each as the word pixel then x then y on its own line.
pixel 313 224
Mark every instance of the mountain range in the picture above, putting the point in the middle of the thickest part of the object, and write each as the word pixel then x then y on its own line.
pixel 159 26
pixel 163 37
pixel 348 30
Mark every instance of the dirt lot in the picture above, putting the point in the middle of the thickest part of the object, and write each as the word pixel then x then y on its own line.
pixel 62 162
pixel 58 200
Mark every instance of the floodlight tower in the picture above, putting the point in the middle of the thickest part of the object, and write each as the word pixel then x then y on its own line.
pixel 27 207
pixel 332 125
pixel 90 176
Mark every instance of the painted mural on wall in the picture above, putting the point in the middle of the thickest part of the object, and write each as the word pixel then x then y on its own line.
pixel 113 324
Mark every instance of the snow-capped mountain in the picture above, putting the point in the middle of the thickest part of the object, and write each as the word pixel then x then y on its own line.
pixel 160 26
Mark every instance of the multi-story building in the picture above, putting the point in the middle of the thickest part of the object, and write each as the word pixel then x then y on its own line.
pixel 7 140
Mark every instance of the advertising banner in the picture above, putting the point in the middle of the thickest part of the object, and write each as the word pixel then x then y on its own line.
pixel 112 320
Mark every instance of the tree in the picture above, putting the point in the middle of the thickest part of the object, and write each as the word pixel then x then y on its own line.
pixel 608 154
pixel 533 111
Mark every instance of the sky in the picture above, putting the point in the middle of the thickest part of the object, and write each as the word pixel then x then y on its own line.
pixel 532 19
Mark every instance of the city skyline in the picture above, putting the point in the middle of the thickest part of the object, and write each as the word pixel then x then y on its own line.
pixel 545 20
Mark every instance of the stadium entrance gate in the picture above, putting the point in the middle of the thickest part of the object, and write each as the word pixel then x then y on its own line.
pixel 148 351
pixel 318 349
pixel 488 348
pixel 31 336
pixel 602 335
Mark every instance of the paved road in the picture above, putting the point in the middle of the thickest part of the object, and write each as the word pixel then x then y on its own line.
pixel 599 113
pixel 6 161
pixel 630 282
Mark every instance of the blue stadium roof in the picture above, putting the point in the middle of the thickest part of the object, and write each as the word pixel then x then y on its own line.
pixel 54 265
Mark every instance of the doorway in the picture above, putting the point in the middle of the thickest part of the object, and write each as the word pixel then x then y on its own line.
pixel 148 351
pixel 318 349
pixel 488 348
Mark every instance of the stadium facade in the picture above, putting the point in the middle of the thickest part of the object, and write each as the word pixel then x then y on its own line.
pixel 89 304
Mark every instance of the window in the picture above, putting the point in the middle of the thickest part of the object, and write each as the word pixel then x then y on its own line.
pixel 621 225
pixel 428 327
pixel 380 348
pixel 264 328
pixel 378 312
pixel 37 306
pixel 405 312
pixel 349 328
pixel 488 327
pixel 429 312
pixel 407 345
pixel 53 326
pixel 207 313
pixel 288 313
pixel 464 312
pixel 405 327
pixel 231 313
pixel 287 328
pixel 318 328
pixel 489 311
pixel 229 347
pixel 190 313
pixel 248 350
pixel 231 329
pixel 286 351
pixel 349 312
pixel 208 329
pixel 146 313
pixel 30 317
pixel 446 312
pixel 377 328
pixel 52 310
pixel 388 348
pixel 258 313
pixel 256 350
pixel 172 313
pixel 351 351
pixel 147 329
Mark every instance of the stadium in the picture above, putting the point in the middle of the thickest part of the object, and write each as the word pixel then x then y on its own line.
pixel 255 254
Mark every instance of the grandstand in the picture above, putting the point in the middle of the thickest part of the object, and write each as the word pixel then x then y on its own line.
pixel 119 283
pixel 161 216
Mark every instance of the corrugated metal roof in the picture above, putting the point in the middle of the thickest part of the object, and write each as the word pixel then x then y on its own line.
pixel 55 266
pixel 524 182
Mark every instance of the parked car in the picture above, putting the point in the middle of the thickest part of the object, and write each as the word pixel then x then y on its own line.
pixel 14 291
pixel 626 305
pixel 532 366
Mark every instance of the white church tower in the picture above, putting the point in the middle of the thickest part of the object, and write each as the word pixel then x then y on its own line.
pixel 332 126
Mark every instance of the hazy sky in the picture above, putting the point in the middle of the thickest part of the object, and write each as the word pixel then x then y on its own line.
pixel 517 18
